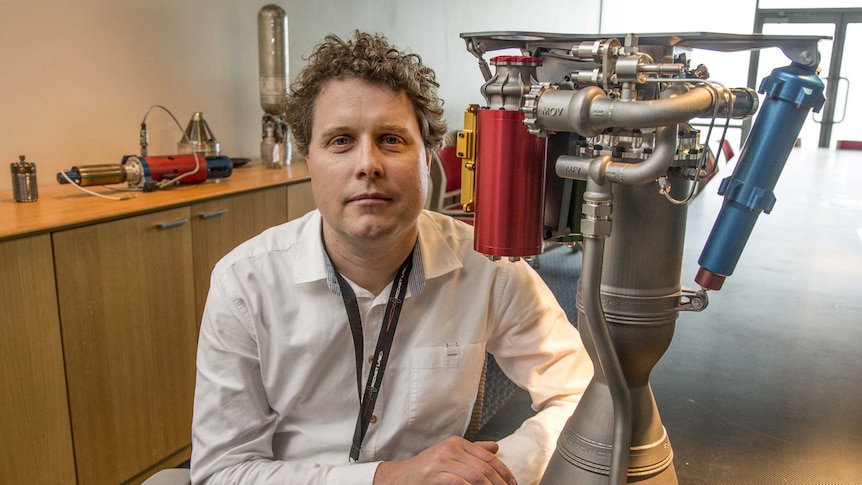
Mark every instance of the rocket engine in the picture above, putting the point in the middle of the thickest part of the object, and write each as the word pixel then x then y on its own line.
pixel 588 138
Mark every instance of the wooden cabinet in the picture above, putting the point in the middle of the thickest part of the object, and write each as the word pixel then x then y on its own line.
pixel 101 302
pixel 220 225
pixel 300 200
pixel 34 422
pixel 126 297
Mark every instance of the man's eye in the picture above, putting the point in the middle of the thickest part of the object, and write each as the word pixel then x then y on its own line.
pixel 391 140
pixel 340 141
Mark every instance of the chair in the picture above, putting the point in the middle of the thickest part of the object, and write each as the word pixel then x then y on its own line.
pixel 727 150
pixel 445 191
pixel 849 145
pixel 170 476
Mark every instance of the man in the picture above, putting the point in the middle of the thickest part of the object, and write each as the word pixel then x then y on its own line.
pixel 302 376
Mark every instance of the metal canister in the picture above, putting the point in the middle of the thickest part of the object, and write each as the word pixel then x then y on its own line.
pixel 24 186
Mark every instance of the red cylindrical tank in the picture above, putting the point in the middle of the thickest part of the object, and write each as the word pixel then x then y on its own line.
pixel 510 181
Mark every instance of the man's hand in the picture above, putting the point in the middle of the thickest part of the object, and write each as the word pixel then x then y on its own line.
pixel 453 461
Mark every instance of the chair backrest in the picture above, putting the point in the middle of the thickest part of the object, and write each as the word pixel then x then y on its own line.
pixel 445 193
pixel 727 150
pixel 451 164
pixel 849 145
pixel 476 417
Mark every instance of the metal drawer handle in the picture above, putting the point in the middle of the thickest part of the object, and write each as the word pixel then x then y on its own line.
pixel 210 215
pixel 171 225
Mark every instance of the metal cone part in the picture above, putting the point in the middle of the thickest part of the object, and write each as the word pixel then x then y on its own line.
pixel 198 137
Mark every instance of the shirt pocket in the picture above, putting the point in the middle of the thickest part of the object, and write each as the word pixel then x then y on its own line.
pixel 443 386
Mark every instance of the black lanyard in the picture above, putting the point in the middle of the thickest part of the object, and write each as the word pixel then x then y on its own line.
pixel 384 345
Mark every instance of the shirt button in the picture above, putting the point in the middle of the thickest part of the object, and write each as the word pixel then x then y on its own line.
pixel 371 359
pixel 373 419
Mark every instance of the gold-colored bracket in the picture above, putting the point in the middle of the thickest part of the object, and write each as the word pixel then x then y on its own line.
pixel 466 149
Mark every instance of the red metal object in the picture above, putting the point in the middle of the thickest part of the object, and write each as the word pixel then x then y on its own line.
pixel 709 280
pixel 510 182
pixel 170 166
pixel 528 60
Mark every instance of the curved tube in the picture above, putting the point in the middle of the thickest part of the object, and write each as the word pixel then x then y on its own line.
pixel 607 113
pixel 602 169
pixel 591 274
pixel 651 168
pixel 588 111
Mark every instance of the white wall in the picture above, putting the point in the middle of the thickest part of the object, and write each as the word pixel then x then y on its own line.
pixel 731 16
pixel 78 77
pixel 432 29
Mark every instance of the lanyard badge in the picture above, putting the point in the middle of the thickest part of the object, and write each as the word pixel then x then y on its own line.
pixel 381 353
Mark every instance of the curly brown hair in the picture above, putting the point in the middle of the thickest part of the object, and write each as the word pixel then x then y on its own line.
pixel 372 58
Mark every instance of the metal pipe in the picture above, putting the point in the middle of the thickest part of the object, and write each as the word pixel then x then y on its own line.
pixel 589 111
pixel 654 166
pixel 609 362
pixel 624 173
pixel 607 113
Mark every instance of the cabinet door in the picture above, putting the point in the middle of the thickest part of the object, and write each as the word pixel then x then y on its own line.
pixel 34 423
pixel 126 298
pixel 222 224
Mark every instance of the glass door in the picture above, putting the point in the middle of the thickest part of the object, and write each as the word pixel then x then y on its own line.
pixel 848 115
pixel 841 116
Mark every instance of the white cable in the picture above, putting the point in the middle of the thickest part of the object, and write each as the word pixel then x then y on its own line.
pixel 144 121
pixel 82 189
pixel 172 181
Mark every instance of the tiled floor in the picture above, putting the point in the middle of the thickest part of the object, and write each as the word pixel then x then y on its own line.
pixel 765 385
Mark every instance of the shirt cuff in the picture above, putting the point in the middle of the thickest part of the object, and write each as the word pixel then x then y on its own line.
pixel 356 474
pixel 524 458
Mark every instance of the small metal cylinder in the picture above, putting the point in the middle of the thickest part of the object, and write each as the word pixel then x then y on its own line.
pixel 24 186
pixel 103 174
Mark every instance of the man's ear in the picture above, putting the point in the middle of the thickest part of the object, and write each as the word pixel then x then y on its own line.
pixel 308 166
pixel 428 156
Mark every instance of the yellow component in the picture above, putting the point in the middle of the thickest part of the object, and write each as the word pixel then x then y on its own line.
pixel 466 148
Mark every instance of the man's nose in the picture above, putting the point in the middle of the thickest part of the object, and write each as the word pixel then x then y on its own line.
pixel 370 162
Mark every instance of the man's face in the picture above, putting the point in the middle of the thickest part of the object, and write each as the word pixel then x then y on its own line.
pixel 368 163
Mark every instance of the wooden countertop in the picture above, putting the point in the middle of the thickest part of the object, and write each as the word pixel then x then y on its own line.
pixel 64 206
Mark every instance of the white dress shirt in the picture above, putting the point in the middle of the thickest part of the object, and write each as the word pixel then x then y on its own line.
pixel 276 398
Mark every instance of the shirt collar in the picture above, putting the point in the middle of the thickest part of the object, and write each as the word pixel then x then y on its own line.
pixel 439 257
pixel 310 260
